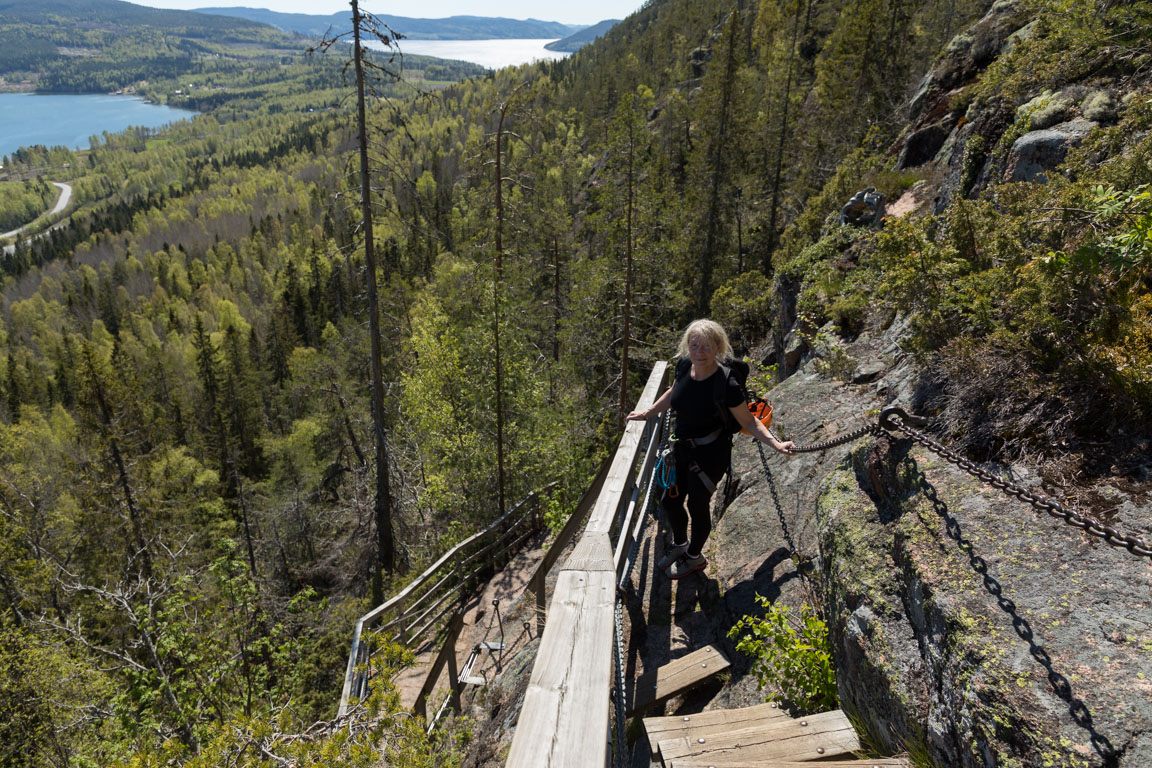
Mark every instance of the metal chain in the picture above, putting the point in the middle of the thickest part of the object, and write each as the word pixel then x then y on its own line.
pixel 618 699
pixel 895 418
pixel 870 429
pixel 813 448
pixel 792 551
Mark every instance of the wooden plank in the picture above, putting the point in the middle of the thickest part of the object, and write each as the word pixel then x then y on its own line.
pixel 617 485
pixel 710 723
pixel 816 737
pixel 636 508
pixel 564 718
pixel 875 762
pixel 677 676
pixel 570 529
pixel 536 584
pixel 447 650
pixel 591 553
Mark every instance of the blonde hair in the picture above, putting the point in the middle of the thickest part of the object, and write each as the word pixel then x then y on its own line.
pixel 710 330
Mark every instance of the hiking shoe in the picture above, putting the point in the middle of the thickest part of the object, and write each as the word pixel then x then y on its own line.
pixel 686 565
pixel 675 551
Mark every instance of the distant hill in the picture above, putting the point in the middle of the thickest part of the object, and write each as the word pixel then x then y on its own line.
pixel 113 15
pixel 580 39
pixel 451 28
pixel 86 46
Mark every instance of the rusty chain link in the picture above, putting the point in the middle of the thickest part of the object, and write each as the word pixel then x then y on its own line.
pixel 870 429
pixel 894 418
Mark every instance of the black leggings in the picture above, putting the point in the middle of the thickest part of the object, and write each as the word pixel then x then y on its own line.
pixel 713 459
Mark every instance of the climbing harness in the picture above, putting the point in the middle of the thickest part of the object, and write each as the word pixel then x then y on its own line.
pixel 706 481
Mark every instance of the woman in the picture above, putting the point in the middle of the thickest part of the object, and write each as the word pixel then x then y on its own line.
pixel 702 446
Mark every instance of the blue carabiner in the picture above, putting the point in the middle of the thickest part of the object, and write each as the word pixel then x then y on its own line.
pixel 665 471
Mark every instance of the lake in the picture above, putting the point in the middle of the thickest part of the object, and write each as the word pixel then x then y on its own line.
pixel 69 119
pixel 493 54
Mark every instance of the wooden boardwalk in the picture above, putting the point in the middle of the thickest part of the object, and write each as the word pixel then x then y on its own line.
pixel 507 586
pixel 563 718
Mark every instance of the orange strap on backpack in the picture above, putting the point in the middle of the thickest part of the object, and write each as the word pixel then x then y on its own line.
pixel 761 411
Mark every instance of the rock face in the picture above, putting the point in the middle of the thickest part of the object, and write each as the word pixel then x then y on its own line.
pixel 967 627
pixel 966 56
pixel 923 145
pixel 1037 152
pixel 1015 638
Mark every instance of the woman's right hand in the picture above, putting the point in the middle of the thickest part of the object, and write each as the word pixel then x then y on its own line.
pixel 639 415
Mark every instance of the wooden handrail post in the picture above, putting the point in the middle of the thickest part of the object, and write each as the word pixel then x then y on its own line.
pixel 403 628
pixel 541 604
pixel 447 655
pixel 453 675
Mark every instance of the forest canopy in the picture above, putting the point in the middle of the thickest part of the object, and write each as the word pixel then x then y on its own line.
pixel 187 530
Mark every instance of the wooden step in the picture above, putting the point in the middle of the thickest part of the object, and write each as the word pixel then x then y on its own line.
pixel 709 723
pixel 474 680
pixel 678 676
pixel 816 737
pixel 876 762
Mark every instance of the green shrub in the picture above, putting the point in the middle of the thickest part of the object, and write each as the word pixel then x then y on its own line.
pixel 743 306
pixel 793 657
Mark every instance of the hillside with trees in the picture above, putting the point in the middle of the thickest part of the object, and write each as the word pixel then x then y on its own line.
pixel 581 38
pixel 447 28
pixel 100 46
pixel 189 501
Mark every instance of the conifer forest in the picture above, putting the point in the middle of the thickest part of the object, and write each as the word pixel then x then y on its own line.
pixel 192 511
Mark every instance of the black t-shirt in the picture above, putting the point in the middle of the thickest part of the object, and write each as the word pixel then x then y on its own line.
pixel 695 402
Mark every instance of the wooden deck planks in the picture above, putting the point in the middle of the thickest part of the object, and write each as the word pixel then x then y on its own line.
pixel 567 700
pixel 677 676
pixel 816 737
pixel 710 723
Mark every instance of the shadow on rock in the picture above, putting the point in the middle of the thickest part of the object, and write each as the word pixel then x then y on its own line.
pixel 740 600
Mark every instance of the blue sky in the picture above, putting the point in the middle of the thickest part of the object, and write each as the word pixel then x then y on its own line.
pixel 583 12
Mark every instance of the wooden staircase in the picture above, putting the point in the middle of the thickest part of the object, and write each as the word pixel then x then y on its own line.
pixel 678 676
pixel 757 737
